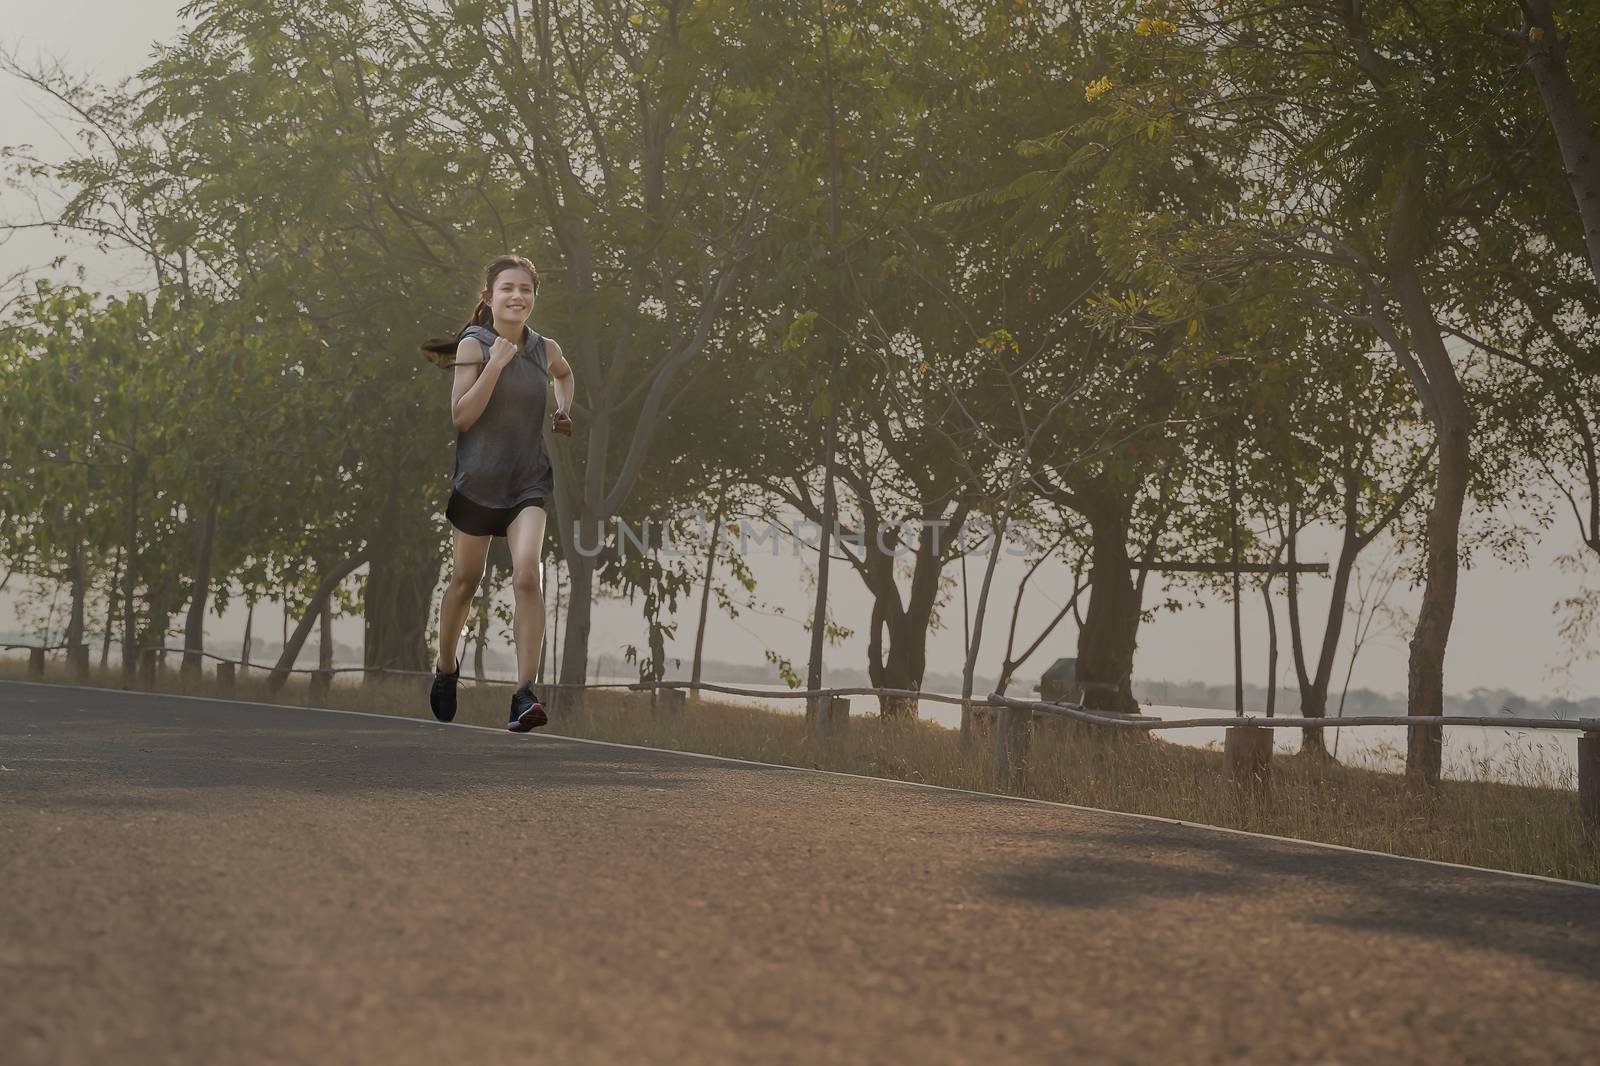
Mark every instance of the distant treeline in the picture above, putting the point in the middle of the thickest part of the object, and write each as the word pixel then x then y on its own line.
pixel 1480 701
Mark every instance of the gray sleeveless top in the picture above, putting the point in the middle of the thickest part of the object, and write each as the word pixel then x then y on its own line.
pixel 500 459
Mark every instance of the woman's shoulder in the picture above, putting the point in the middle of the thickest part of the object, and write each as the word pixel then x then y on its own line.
pixel 476 341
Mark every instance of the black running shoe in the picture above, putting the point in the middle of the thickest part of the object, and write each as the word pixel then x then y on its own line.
pixel 526 711
pixel 442 697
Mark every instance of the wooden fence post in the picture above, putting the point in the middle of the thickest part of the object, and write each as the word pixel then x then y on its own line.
pixel 1249 752
pixel 982 718
pixel 1012 730
pixel 1589 773
pixel 839 714
pixel 147 667
pixel 827 716
pixel 225 678
pixel 669 700
pixel 35 662
pixel 321 682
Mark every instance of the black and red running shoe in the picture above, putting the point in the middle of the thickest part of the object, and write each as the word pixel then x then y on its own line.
pixel 526 711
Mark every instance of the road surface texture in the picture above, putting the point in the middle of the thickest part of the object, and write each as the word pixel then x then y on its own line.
pixel 191 881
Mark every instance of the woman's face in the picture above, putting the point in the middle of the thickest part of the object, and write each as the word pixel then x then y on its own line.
pixel 511 299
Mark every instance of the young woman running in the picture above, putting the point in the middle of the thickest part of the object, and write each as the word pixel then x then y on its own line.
pixel 503 479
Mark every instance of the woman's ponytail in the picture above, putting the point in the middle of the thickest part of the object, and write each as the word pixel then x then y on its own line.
pixel 481 316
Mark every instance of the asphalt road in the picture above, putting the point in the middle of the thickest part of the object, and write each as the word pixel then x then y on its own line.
pixel 190 881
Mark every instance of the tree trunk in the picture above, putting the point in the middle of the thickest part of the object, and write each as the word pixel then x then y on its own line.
pixel 292 646
pixel 160 618
pixel 1233 556
pixel 325 636
pixel 1575 133
pixel 1435 378
pixel 482 639
pixel 830 359
pixel 969 668
pixel 1109 635
pixel 1272 647
pixel 244 649
pixel 78 580
pixel 575 637
pixel 194 627
pixel 555 623
pixel 705 592
pixel 397 601
pixel 907 659
pixel 1314 686
pixel 906 623
pixel 482 635
pixel 1424 750
pixel 130 650
pixel 830 511
pixel 111 609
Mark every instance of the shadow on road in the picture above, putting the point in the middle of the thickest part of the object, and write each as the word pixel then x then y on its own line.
pixel 1144 862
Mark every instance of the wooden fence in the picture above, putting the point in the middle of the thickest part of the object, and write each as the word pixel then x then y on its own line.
pixel 1248 740
pixel 1247 745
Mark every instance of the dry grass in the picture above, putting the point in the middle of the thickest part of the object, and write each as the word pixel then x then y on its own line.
pixel 1529 825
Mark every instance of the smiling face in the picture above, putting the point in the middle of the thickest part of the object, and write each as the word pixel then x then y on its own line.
pixel 510 296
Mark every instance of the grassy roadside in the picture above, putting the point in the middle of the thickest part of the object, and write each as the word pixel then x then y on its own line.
pixel 1531 826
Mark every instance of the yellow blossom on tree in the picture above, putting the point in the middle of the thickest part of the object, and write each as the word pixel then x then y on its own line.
pixel 1149 27
pixel 1096 88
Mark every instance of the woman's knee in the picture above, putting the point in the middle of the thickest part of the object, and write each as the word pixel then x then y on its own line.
pixel 528 585
pixel 465 580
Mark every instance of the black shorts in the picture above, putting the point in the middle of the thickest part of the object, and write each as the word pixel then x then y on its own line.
pixel 477 520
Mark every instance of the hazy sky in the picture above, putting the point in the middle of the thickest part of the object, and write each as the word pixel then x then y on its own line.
pixel 1505 629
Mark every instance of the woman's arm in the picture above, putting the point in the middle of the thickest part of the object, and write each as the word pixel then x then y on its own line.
pixel 474 383
pixel 561 376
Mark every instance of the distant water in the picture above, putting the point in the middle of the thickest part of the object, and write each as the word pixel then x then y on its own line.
pixel 1500 753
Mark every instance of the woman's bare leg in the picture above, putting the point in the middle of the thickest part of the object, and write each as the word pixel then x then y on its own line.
pixel 466 571
pixel 526 540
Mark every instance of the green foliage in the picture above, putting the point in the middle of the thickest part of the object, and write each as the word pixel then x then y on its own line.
pixel 1027 257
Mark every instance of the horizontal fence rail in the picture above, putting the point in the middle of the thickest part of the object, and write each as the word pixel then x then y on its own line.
pixel 1247 751
pixel 1135 721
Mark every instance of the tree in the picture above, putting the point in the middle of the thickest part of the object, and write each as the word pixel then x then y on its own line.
pixel 1339 122
pixel 640 140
